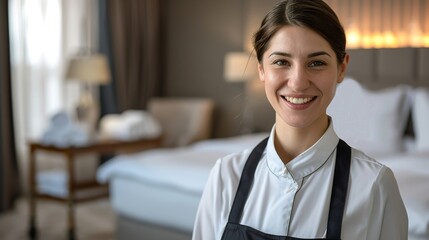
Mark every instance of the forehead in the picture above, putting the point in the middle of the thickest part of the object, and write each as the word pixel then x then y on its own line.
pixel 297 40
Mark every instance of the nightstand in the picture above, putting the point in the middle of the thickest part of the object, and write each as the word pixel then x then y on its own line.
pixel 70 153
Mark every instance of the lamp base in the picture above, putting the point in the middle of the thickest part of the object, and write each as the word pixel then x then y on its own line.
pixel 87 112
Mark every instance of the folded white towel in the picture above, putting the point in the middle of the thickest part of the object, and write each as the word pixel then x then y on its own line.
pixel 130 125
pixel 63 132
pixel 60 120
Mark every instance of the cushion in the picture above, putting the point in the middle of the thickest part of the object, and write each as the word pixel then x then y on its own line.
pixel 420 114
pixel 371 121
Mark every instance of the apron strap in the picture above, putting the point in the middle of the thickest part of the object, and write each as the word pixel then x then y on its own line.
pixel 338 195
pixel 246 181
pixel 339 190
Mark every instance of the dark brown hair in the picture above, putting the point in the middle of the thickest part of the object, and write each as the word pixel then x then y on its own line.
pixel 313 14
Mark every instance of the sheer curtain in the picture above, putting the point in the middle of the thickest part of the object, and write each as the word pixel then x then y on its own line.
pixel 44 34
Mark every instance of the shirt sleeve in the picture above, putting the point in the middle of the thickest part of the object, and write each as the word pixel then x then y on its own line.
pixel 388 209
pixel 207 222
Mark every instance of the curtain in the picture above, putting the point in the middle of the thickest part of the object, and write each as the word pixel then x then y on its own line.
pixel 44 35
pixel 130 34
pixel 107 92
pixel 9 180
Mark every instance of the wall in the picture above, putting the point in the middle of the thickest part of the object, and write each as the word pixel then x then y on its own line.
pixel 198 33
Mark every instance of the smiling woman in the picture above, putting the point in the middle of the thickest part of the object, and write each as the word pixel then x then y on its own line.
pixel 300 80
pixel 302 182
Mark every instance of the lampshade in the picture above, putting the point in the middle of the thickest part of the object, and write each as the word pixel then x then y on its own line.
pixel 240 66
pixel 90 69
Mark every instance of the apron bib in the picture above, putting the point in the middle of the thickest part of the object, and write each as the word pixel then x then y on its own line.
pixel 236 231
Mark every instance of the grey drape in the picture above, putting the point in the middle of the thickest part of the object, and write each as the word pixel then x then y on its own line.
pixel 130 34
pixel 9 180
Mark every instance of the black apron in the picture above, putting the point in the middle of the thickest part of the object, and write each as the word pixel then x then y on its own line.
pixel 236 231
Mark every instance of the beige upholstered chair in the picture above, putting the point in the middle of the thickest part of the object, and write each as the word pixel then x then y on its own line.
pixel 183 120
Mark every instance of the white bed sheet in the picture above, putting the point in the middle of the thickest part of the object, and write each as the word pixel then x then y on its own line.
pixel 185 168
pixel 412 174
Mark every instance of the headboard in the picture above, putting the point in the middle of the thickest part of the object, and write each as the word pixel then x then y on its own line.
pixel 378 68
pixel 373 68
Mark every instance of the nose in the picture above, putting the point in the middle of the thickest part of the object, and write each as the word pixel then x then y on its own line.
pixel 298 79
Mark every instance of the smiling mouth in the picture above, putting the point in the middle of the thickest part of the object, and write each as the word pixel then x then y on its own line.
pixel 295 100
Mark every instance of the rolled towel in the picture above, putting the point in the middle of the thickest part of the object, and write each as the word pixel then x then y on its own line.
pixel 57 137
pixel 130 125
pixel 77 136
pixel 63 132
pixel 143 123
pixel 60 120
pixel 110 126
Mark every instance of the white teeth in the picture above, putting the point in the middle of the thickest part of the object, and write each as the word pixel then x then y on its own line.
pixel 298 100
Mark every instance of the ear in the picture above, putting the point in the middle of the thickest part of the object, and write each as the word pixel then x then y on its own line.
pixel 261 72
pixel 342 68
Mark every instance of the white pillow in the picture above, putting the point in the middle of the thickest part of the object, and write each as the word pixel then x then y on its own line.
pixel 420 115
pixel 372 121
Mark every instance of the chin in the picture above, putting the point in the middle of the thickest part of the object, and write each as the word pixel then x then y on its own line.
pixel 297 122
pixel 301 121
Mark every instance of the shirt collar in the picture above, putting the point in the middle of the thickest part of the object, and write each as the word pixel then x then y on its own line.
pixel 307 162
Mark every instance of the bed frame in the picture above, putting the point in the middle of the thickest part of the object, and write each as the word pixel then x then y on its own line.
pixel 130 229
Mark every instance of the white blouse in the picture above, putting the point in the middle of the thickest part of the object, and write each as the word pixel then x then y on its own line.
pixel 294 199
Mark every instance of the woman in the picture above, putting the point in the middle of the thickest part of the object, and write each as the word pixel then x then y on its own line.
pixel 302 182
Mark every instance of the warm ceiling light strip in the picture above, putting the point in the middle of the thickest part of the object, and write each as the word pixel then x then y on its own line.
pixel 384 23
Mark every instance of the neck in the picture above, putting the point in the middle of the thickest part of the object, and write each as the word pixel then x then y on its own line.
pixel 291 141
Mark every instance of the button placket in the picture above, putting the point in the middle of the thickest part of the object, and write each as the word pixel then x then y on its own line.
pixel 289 190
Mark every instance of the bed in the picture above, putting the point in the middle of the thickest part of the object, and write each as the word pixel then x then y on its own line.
pixel 162 187
pixel 156 193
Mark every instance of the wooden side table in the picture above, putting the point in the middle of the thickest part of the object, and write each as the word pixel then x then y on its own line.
pixel 100 147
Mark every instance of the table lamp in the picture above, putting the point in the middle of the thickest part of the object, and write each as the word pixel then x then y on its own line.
pixel 91 70
pixel 240 67
pixel 243 67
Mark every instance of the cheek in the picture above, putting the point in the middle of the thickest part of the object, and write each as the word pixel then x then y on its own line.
pixel 273 76
pixel 329 89
pixel 327 84
pixel 272 83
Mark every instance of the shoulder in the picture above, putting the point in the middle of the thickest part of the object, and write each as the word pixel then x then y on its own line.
pixel 365 163
pixel 231 166
pixel 374 197
pixel 369 170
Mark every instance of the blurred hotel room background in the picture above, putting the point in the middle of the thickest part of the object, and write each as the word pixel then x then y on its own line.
pixel 151 49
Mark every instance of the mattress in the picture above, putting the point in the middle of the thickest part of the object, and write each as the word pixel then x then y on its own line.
pixel 151 203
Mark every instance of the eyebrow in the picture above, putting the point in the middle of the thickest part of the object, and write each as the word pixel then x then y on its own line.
pixel 315 54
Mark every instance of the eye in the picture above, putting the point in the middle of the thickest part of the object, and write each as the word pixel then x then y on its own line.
pixel 281 62
pixel 316 64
